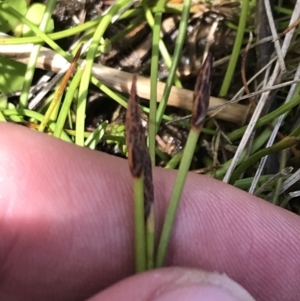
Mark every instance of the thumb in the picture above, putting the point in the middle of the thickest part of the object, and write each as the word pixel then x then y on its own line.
pixel 175 284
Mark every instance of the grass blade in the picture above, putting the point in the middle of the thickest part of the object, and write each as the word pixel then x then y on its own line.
pixel 279 146
pixel 60 91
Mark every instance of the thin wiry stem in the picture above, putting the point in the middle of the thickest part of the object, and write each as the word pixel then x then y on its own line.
pixel 59 92
pixel 201 100
pixel 274 34
pixel 274 134
pixel 236 49
pixel 257 113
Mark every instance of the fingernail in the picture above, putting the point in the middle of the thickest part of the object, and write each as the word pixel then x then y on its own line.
pixel 204 287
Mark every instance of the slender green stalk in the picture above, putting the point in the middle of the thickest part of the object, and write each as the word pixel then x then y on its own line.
pixel 36 30
pixel 258 143
pixel 59 91
pixel 280 180
pixel 150 236
pixel 33 114
pixel 74 30
pixel 296 131
pixel 56 109
pixel 236 49
pixel 264 136
pixel 122 33
pixel 139 164
pixel 61 120
pixel 153 83
pixel 53 36
pixel 139 224
pixel 266 119
pixel 279 146
pixel 120 99
pixel 283 10
pixel 34 56
pixel 173 163
pixel 176 195
pixel 162 47
pixel 88 135
pixel 130 13
pixel 53 104
pixel 83 89
pixel 48 99
pixel 96 136
pixel 200 105
pixel 162 155
pixel 245 184
pixel 178 47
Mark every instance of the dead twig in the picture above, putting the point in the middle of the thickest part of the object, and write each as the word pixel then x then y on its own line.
pixel 121 81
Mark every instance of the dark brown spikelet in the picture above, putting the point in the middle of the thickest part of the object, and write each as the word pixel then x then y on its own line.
pixel 135 136
pixel 202 93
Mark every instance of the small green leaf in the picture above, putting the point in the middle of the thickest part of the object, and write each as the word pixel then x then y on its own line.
pixel 35 15
pixel 8 22
pixel 105 46
pixel 96 136
pixel 12 75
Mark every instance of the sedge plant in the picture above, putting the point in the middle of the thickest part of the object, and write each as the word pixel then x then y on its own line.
pixel 200 106
pixel 141 171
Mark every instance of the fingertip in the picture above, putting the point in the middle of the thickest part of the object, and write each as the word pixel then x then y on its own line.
pixel 59 201
pixel 176 284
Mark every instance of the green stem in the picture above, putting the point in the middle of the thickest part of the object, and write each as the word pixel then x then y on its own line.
pixel 32 114
pixel 245 184
pixel 236 48
pixel 280 180
pixel 34 56
pixel 53 36
pixel 95 137
pixel 37 31
pixel 153 87
pixel 64 33
pixel 150 227
pixel 67 103
pixel 51 109
pixel 122 33
pixel 173 163
pixel 177 52
pixel 176 195
pixel 84 85
pixel 266 119
pixel 162 47
pixel 263 137
pixel 279 146
pixel 139 225
pixel 120 99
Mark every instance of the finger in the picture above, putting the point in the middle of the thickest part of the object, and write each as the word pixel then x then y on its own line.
pixel 175 284
pixel 66 223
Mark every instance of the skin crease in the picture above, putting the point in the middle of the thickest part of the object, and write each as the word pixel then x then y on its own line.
pixel 67 232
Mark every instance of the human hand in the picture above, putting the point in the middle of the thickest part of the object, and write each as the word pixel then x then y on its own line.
pixel 66 220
